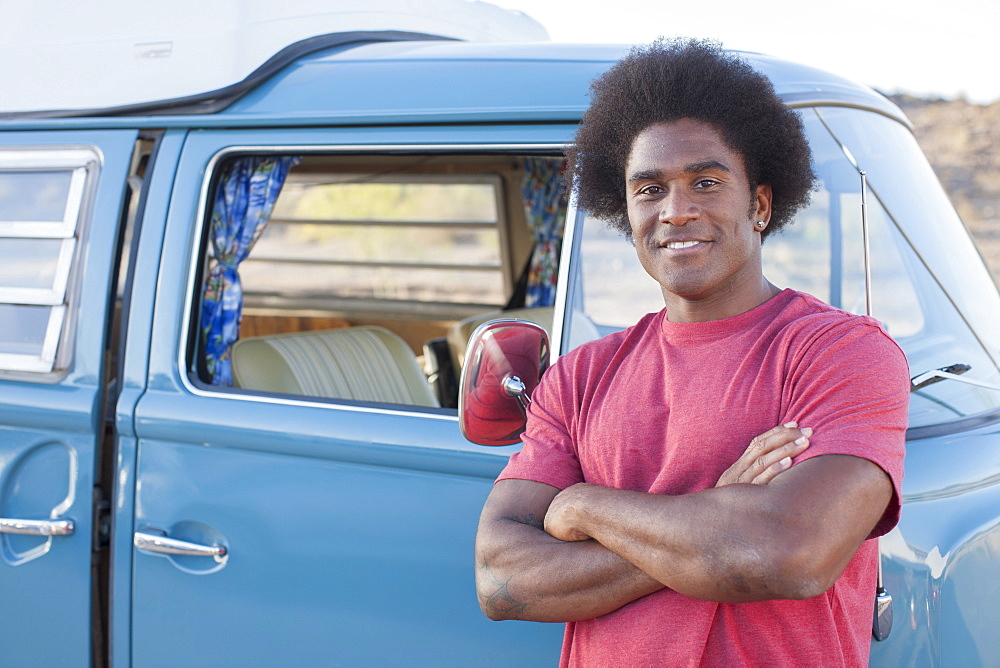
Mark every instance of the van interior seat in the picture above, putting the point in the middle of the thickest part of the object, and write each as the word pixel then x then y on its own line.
pixel 358 363
pixel 459 333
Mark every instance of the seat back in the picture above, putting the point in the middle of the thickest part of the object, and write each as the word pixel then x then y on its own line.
pixel 458 335
pixel 357 363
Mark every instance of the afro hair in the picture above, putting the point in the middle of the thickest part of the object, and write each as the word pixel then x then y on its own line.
pixel 673 79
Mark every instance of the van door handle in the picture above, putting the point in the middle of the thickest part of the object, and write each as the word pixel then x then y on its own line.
pixel 153 542
pixel 37 527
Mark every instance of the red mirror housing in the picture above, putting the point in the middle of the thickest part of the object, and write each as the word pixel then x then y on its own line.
pixel 504 361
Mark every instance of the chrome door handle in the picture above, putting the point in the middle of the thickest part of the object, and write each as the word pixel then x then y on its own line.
pixel 156 543
pixel 37 527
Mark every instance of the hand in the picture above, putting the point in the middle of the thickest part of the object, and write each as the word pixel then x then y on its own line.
pixel 560 517
pixel 767 455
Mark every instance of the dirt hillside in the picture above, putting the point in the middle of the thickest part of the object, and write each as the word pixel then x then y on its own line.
pixel 962 142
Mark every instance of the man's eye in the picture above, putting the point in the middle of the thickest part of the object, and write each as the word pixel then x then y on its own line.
pixel 650 190
pixel 705 183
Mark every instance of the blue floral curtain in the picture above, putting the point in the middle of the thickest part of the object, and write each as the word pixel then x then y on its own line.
pixel 544 206
pixel 243 203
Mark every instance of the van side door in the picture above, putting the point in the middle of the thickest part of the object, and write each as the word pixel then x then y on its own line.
pixel 273 529
pixel 62 198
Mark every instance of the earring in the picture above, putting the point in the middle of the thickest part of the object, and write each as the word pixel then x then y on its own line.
pixel 761 224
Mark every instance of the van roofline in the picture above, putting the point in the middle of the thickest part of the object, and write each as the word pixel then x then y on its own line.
pixel 302 86
pixel 214 101
pixel 569 115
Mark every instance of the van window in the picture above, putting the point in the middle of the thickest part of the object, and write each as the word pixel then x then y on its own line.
pixel 371 271
pixel 42 197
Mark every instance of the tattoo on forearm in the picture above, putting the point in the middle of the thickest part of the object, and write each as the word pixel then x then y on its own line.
pixel 530 519
pixel 499 601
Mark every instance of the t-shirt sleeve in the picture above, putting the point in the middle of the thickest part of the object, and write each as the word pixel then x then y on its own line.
pixel 851 385
pixel 548 454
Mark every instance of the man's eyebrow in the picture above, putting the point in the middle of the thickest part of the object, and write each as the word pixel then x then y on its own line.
pixel 693 168
pixel 645 175
pixel 706 166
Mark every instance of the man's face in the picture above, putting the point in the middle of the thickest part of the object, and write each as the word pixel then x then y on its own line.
pixel 693 218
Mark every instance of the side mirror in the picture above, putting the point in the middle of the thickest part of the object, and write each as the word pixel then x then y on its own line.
pixel 504 361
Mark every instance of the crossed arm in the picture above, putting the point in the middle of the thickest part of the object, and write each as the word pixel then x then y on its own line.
pixel 766 531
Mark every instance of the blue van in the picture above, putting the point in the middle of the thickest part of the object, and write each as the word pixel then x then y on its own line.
pixel 232 328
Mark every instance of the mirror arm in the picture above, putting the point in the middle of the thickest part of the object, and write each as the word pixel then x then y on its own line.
pixel 514 387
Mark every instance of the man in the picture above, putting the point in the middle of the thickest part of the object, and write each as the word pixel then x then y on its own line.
pixel 635 510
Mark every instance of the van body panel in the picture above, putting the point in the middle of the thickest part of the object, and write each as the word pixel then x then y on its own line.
pixel 374 560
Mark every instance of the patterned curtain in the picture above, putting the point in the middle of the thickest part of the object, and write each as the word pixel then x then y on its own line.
pixel 544 206
pixel 243 204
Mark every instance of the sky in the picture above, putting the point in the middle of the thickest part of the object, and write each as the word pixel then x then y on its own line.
pixel 937 48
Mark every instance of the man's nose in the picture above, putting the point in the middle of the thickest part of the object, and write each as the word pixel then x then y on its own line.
pixel 678 208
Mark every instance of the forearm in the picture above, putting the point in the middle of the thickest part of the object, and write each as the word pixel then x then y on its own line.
pixel 539 578
pixel 524 573
pixel 788 539
pixel 696 544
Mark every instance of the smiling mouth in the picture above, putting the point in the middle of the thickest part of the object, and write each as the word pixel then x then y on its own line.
pixel 680 244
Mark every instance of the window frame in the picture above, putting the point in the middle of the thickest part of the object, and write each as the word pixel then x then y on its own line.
pixel 188 344
pixel 83 163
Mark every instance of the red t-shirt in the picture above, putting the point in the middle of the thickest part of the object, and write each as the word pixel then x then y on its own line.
pixel 667 407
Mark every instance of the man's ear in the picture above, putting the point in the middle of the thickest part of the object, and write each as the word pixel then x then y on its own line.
pixel 762 201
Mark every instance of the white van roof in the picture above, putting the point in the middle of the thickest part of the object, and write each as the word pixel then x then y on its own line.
pixel 69 55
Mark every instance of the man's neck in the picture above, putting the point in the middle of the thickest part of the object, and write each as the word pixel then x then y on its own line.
pixel 717 307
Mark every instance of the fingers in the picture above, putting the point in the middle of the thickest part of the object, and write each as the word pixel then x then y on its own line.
pixel 779 460
pixel 768 455
pixel 773 452
pixel 774 438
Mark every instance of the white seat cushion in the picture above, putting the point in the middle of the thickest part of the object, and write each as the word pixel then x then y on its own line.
pixel 357 363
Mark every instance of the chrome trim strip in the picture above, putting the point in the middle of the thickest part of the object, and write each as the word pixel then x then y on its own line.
pixel 29 363
pixel 416 224
pixel 63 266
pixel 562 281
pixel 60 527
pixel 74 200
pixel 51 343
pixel 307 402
pixel 45 158
pixel 199 226
pixel 804 100
pixel 375 263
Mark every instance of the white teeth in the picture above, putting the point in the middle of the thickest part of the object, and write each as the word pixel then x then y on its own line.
pixel 681 244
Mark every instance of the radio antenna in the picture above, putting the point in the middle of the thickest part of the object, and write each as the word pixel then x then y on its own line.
pixel 882 619
pixel 867 247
